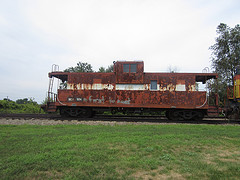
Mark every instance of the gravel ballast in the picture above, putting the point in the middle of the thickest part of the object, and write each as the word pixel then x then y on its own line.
pixel 6 121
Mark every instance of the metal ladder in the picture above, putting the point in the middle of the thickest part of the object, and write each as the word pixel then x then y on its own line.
pixel 52 96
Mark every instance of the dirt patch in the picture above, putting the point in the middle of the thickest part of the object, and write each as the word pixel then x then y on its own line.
pixel 209 159
pixel 223 155
pixel 46 174
pixel 229 156
pixel 156 174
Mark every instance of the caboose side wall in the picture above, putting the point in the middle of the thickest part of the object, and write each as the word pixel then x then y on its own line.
pixel 173 90
pixel 137 99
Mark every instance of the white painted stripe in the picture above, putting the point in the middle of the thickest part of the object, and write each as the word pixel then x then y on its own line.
pixel 132 87
pixel 95 86
pixel 180 87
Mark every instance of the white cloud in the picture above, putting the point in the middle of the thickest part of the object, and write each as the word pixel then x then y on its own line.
pixel 3 21
pixel 112 30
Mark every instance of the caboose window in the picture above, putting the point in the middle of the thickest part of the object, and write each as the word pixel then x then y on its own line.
pixel 133 68
pixel 153 85
pixel 126 68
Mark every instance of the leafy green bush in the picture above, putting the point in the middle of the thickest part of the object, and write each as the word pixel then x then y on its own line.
pixel 8 106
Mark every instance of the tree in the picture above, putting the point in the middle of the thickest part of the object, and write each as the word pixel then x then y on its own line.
pixel 26 101
pixel 172 69
pixel 22 101
pixel 226 52
pixel 225 58
pixel 81 67
pixel 107 70
pixel 101 70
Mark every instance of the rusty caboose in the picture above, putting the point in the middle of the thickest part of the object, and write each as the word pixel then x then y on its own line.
pixel 129 88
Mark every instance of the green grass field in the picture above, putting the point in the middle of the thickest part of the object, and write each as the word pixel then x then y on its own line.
pixel 119 152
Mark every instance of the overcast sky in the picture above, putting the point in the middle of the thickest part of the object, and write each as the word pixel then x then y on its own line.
pixel 34 34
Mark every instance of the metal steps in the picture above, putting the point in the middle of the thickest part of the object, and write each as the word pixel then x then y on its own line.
pixel 51 107
pixel 213 111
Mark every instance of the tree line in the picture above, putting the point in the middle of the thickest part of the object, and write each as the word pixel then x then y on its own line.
pixel 86 67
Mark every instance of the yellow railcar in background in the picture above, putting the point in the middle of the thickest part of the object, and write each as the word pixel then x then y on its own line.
pixel 237 87
pixel 233 106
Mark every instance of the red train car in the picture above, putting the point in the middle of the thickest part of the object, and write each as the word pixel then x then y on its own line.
pixel 129 88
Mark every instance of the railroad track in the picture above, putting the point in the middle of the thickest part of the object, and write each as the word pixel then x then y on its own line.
pixel 118 118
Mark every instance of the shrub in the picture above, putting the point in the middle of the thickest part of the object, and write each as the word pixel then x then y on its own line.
pixel 31 107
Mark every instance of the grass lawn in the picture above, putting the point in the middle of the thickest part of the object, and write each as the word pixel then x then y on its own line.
pixel 119 152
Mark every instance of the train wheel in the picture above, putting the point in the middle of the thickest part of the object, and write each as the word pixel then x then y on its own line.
pixel 200 115
pixel 86 113
pixel 191 115
pixel 172 115
pixel 167 115
pixel 76 112
pixel 184 115
pixel 63 112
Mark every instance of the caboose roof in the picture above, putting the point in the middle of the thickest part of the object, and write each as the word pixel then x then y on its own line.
pixel 124 77
pixel 60 75
pixel 203 77
pixel 200 77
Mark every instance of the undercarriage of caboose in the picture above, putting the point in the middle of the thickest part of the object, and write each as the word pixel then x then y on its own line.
pixel 129 89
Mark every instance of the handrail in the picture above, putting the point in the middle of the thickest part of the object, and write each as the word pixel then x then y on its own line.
pixel 60 102
pixel 55 68
pixel 205 70
pixel 203 103
pixel 52 97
